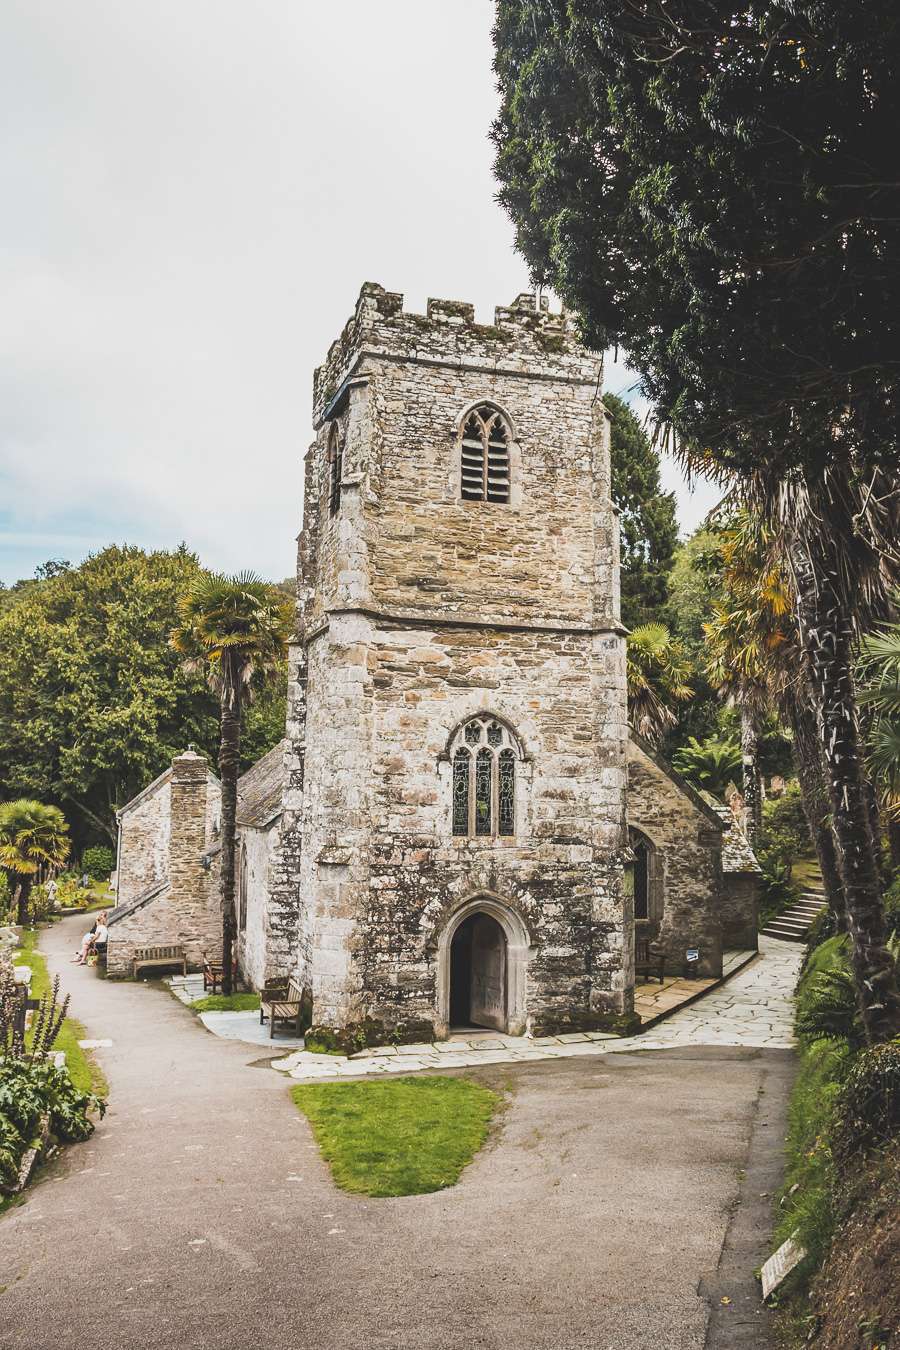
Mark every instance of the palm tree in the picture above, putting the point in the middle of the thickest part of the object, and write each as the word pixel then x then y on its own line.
pixel 839 534
pixel 708 766
pixel 32 836
pixel 232 627
pixel 755 658
pixel 657 672
pixel 880 666
pixel 749 629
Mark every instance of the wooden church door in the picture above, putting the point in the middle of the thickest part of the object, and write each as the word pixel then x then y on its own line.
pixel 488 997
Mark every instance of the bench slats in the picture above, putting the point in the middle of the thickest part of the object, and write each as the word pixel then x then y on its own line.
pixel 165 954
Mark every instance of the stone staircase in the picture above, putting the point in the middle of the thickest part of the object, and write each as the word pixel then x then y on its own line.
pixel 794 924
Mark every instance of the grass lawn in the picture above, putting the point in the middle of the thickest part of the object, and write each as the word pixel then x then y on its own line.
pixel 226 1003
pixel 85 1076
pixel 403 1136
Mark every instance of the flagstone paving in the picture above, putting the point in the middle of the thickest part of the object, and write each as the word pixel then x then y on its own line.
pixel 753 1008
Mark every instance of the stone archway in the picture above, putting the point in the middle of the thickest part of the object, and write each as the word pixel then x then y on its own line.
pixel 482 955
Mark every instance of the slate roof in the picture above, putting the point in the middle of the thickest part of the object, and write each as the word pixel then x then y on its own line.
pixel 737 855
pixel 259 790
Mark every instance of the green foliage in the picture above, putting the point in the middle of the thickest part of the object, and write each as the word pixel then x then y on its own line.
pixel 230 628
pixel 785 832
pixel 776 892
pixel 27 1093
pixel 93 704
pixel 809 1212
pixel 830 1009
pixel 402 1136
pixel 669 167
pixel 867 1110
pixel 647 521
pixel 98 862
pixel 656 673
pixel 31 835
pixel 709 766
pixel 880 696
pixel 226 1003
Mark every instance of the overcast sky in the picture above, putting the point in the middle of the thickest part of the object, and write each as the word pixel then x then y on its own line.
pixel 193 192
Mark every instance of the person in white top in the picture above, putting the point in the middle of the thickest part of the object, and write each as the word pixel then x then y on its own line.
pixel 98 933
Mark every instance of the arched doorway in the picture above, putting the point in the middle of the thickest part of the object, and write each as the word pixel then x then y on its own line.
pixel 478 974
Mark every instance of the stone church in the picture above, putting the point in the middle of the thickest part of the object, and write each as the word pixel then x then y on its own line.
pixel 458 827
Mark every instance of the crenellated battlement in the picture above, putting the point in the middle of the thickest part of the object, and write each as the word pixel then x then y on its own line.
pixel 525 337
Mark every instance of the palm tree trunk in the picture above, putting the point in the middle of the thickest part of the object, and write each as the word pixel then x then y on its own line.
pixel 807 756
pixel 229 765
pixel 826 633
pixel 750 758
pixel 24 897
pixel 893 828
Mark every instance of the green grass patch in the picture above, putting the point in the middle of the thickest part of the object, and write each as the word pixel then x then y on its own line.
pixel 403 1136
pixel 226 1003
pixel 84 1074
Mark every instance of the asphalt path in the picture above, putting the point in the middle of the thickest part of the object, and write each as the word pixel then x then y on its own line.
pixel 200 1216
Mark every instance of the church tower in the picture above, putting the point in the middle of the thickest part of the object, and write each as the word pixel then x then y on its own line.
pixel 454 813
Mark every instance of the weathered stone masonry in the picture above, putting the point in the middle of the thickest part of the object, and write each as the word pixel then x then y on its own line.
pixel 418 610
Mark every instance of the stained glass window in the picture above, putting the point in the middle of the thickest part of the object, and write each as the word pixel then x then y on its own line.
pixel 495 734
pixel 506 793
pixel 461 763
pixel 473 733
pixel 483 766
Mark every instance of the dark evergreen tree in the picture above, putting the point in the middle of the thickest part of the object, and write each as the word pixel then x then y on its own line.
pixel 648 524
pixel 715 189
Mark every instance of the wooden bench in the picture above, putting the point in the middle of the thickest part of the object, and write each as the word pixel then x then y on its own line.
pixel 171 955
pixel 647 963
pixel 281 1004
pixel 212 973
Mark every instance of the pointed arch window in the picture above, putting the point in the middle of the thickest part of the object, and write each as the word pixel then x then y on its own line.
pixel 335 469
pixel 484 473
pixel 484 755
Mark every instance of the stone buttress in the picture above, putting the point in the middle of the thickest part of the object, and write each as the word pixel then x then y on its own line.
pixel 457 615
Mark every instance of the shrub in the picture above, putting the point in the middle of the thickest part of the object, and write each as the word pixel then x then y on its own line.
pixel 867 1110
pixel 98 861
pixel 28 1092
pixel 830 1009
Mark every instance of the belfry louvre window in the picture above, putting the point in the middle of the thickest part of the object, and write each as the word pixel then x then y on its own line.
pixel 484 476
pixel 335 469
pixel 484 780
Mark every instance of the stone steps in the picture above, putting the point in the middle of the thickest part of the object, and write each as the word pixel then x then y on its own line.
pixel 794 924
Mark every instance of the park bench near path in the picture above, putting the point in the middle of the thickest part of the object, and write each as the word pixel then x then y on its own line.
pixel 158 958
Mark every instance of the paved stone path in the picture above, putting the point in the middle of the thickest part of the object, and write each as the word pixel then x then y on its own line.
pixel 752 1009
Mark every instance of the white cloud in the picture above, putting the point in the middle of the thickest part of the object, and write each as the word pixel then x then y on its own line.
pixel 194 194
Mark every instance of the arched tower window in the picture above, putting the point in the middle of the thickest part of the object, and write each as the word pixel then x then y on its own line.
pixel 335 469
pixel 484 755
pixel 484 475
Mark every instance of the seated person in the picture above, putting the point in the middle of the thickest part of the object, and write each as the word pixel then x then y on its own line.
pixel 97 945
pixel 81 955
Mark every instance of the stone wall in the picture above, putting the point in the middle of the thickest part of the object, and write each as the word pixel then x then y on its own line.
pixel 143 856
pixel 687 834
pixel 259 848
pixel 184 907
pixel 416 610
